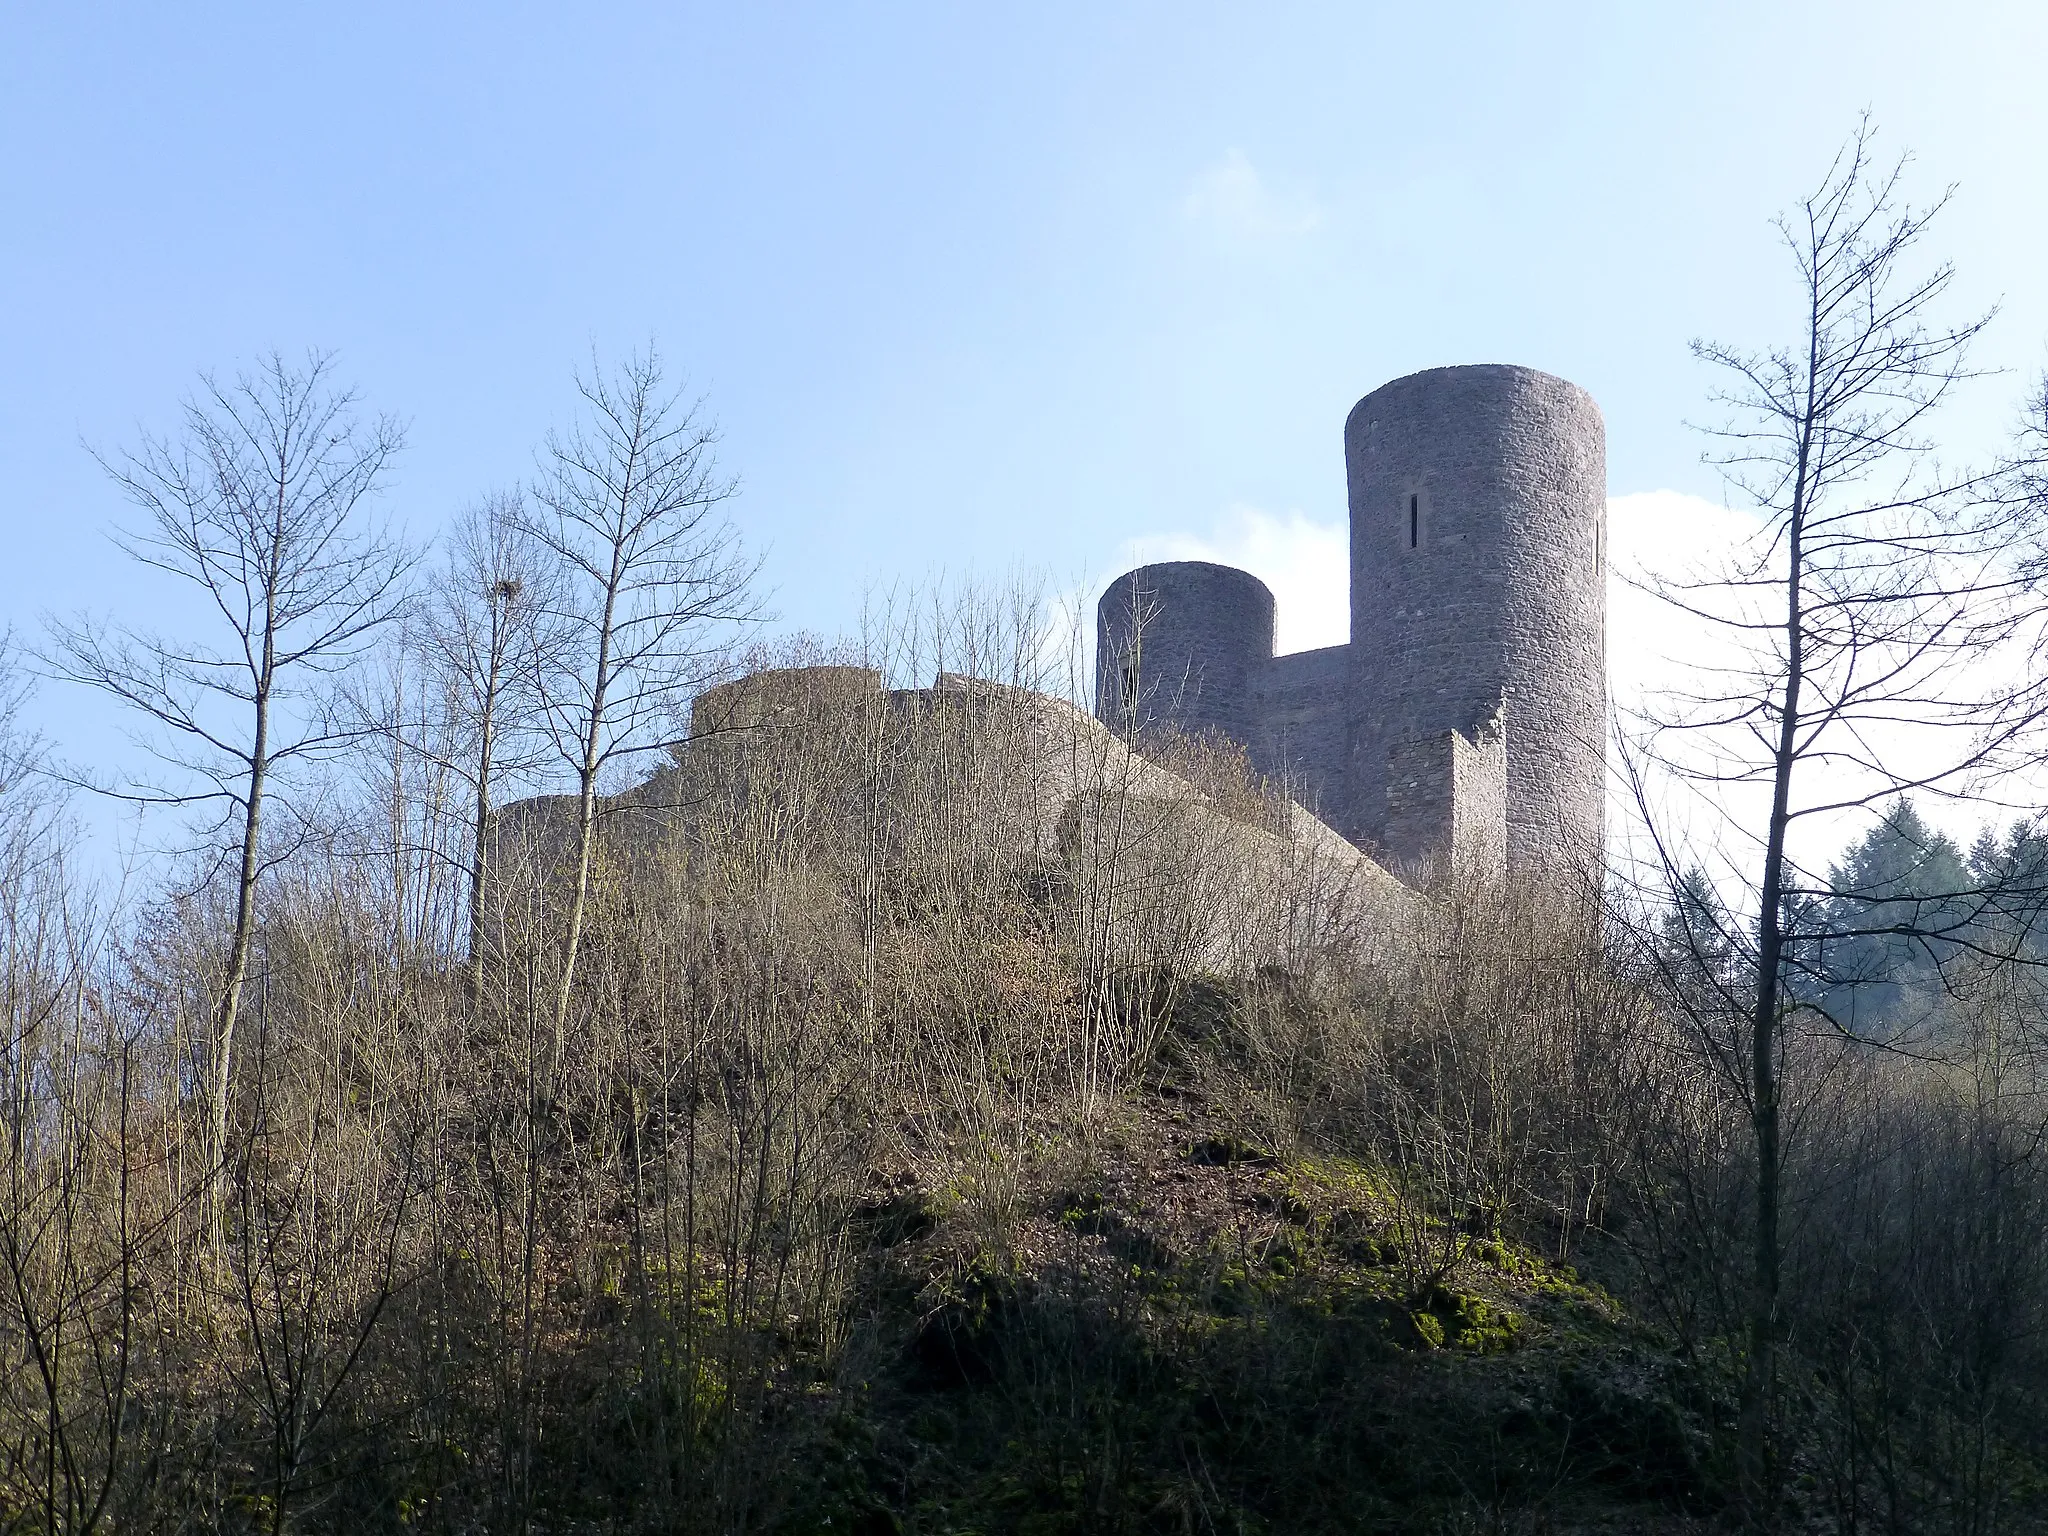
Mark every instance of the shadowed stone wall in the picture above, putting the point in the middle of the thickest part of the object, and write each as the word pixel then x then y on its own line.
pixel 1301 737
pixel 1447 796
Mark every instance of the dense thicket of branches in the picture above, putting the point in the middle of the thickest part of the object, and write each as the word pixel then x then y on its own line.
pixel 832 1000
pixel 856 1110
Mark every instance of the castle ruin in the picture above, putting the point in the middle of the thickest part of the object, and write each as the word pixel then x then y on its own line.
pixel 1464 724
pixel 1459 733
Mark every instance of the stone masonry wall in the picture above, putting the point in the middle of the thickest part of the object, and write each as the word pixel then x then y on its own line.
pixel 1301 737
pixel 1447 803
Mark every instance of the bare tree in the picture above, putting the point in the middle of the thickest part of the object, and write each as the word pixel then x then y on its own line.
pixel 1883 624
pixel 484 646
pixel 258 508
pixel 494 652
pixel 652 578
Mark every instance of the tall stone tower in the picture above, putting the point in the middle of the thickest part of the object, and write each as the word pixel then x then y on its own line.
pixel 1466 719
pixel 1478 516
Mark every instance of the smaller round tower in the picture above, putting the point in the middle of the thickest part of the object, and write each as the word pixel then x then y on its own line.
pixel 1182 644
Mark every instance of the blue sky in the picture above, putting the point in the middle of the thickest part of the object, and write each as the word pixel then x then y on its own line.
pixel 969 287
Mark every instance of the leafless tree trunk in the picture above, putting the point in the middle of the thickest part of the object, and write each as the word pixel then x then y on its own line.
pixel 1883 617
pixel 651 579
pixel 486 646
pixel 258 506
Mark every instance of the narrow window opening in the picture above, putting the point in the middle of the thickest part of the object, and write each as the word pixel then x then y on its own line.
pixel 1414 521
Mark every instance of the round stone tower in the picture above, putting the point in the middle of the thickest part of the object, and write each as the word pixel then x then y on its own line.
pixel 1183 644
pixel 1478 515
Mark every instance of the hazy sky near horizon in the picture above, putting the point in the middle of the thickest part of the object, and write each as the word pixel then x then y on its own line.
pixel 969 288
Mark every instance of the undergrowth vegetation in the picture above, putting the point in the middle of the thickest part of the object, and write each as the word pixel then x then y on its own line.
pixel 905 1169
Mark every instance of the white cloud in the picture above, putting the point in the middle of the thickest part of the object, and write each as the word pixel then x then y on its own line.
pixel 1652 646
pixel 1231 196
pixel 1306 563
